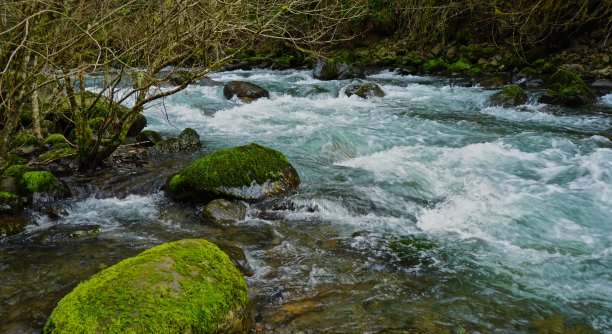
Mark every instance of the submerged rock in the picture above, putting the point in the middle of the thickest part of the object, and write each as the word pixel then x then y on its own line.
pixel 187 286
pixel 221 211
pixel 326 69
pixel 65 233
pixel 245 91
pixel 364 90
pixel 250 172
pixel 510 96
pixel 567 89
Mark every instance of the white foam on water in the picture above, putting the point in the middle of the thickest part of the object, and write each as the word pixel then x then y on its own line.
pixel 606 99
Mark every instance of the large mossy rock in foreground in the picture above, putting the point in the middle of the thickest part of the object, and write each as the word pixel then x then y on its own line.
pixel 567 89
pixel 187 286
pixel 250 172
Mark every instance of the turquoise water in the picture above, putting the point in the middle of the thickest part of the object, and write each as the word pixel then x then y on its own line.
pixel 424 211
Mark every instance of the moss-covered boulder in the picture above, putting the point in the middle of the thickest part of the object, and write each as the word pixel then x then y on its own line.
pixel 9 203
pixel 245 91
pixel 510 96
pixel 326 69
pixel 188 140
pixel 434 65
pixel 187 286
pixel 462 65
pixel 250 172
pixel 222 211
pixel 42 186
pixel 568 89
pixel 364 90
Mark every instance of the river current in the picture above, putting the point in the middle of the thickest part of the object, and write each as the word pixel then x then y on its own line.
pixel 424 211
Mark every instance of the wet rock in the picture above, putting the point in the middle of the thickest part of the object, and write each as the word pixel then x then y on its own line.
pixel 602 86
pixel 150 137
pixel 188 140
pixel 65 233
pixel 221 211
pixel 510 96
pixel 567 89
pixel 245 91
pixel 137 126
pixel 493 83
pixel 208 82
pixel 364 90
pixel 179 287
pixel 250 173
pixel 326 69
pixel 11 225
pixel 238 258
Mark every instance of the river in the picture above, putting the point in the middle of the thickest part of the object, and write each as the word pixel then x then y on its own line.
pixel 425 211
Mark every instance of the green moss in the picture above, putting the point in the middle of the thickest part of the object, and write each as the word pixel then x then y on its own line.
pixel 17 171
pixel 237 166
pixel 55 138
pixel 528 72
pixel 434 65
pixel 13 159
pixel 56 152
pixel 512 95
pixel 460 66
pixel 6 197
pixel 23 139
pixel 187 286
pixel 39 181
pixel 568 85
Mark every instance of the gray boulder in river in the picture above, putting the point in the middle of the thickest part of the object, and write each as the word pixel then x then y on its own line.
pixel 245 91
pixel 364 90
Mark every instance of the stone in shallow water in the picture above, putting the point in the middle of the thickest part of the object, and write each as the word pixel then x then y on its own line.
pixel 364 90
pixel 221 211
pixel 245 91
pixel 249 173
pixel 187 286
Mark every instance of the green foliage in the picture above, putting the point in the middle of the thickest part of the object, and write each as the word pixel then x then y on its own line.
pixel 187 286
pixel 39 181
pixel 236 166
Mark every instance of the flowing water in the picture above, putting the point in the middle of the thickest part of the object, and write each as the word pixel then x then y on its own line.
pixel 425 211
